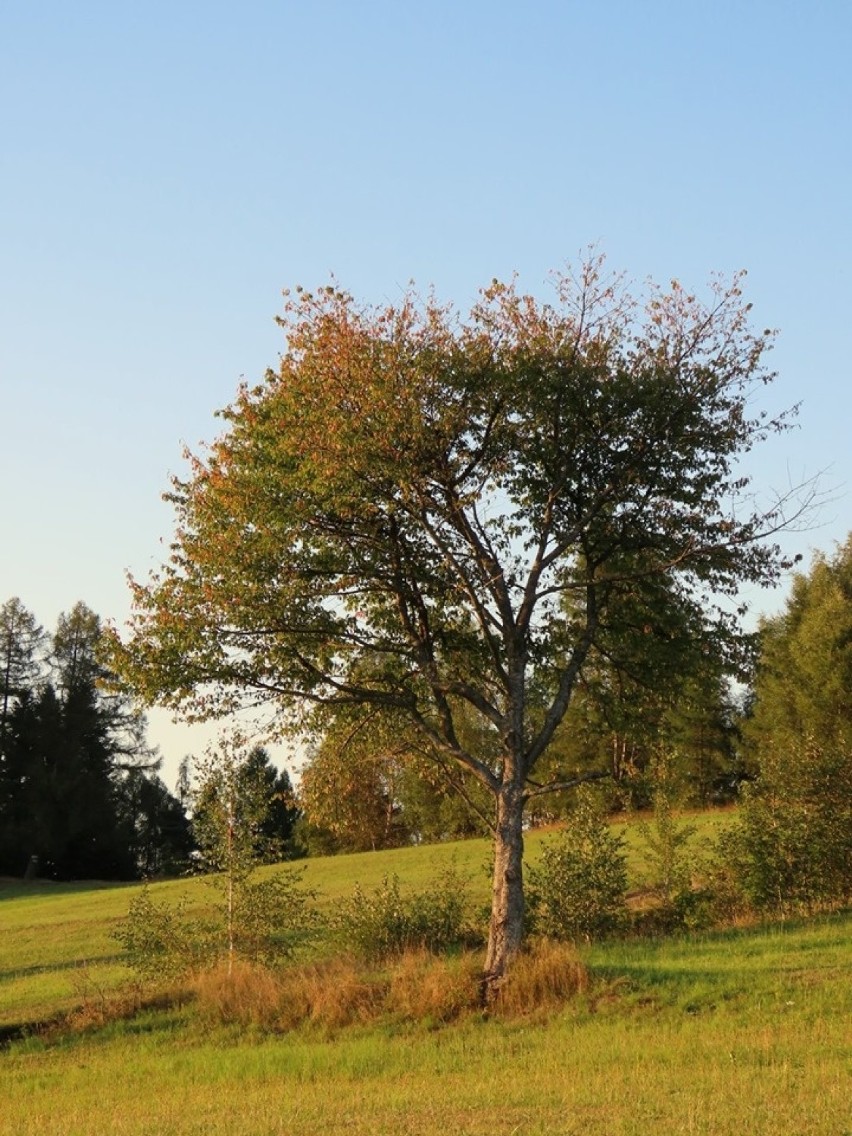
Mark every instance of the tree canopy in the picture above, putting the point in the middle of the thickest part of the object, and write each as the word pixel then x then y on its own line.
pixel 441 518
pixel 804 680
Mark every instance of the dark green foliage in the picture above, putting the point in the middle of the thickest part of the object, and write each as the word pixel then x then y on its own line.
pixel 21 641
pixel 579 888
pixel 385 922
pixel 790 851
pixel 154 824
pixel 261 800
pixel 803 686
pixel 78 795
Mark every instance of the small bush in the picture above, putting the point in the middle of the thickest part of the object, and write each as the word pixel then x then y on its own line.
pixel 791 850
pixel 383 923
pixel 671 866
pixel 545 976
pixel 579 889
pixel 274 917
pixel 161 942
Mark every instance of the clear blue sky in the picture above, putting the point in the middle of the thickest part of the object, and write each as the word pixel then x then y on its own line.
pixel 169 168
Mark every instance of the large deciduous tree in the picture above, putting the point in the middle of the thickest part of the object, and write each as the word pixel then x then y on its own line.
pixel 443 518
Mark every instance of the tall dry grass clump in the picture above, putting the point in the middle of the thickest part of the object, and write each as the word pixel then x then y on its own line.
pixel 244 993
pixel 437 988
pixel 417 986
pixel 543 978
pixel 333 992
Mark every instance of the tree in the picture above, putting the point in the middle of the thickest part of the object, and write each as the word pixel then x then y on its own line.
pixel 282 812
pixel 20 642
pixel 371 782
pixel 152 824
pixel 235 829
pixel 262 796
pixel 420 514
pixel 348 789
pixel 803 685
pixel 790 850
pixel 74 759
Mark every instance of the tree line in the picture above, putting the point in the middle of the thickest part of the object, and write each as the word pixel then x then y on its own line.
pixel 80 797
pixel 80 791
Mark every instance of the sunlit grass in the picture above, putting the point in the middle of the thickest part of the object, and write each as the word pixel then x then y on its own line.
pixel 57 938
pixel 610 1063
pixel 727 1034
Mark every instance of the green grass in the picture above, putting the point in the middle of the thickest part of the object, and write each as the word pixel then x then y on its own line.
pixel 56 938
pixel 742 1032
pixel 748 1037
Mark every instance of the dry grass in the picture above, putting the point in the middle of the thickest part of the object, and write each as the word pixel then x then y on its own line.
pixel 333 993
pixel 426 987
pixel 542 979
pixel 244 993
pixel 416 987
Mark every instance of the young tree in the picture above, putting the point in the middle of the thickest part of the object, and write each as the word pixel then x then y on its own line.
pixel 235 829
pixel 420 514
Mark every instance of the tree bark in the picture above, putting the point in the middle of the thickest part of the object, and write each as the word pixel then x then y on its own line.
pixel 507 896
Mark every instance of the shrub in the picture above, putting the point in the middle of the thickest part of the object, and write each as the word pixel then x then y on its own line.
pixel 383 923
pixel 672 866
pixel 579 888
pixel 274 917
pixel 791 850
pixel 160 941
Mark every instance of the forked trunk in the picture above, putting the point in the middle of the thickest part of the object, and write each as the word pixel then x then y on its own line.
pixel 507 893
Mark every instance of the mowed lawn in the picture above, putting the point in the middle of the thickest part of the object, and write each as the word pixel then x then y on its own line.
pixel 742 1032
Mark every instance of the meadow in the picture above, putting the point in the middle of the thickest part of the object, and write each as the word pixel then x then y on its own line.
pixel 741 1031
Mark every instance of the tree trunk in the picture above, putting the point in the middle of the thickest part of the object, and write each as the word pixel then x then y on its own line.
pixel 507 893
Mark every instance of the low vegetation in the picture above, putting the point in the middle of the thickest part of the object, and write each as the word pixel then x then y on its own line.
pixel 724 1034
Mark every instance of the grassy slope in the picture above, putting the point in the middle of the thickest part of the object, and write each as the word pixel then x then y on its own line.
pixel 56 938
pixel 745 1032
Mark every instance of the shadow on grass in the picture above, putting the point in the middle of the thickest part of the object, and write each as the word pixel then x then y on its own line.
pixel 20 889
pixel 53 967
pixel 724 967
pixel 130 1015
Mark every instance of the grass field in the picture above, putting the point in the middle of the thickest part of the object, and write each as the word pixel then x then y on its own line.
pixel 741 1032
